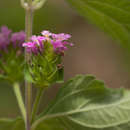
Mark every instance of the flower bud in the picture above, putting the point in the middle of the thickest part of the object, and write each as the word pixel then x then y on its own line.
pixel 37 4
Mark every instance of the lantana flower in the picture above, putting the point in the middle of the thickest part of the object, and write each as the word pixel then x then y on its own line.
pixel 59 42
pixel 7 38
pixel 46 65
pixel 5 35
pixel 18 38
pixel 11 55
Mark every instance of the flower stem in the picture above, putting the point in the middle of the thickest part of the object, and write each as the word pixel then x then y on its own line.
pixel 28 86
pixel 36 103
pixel 18 95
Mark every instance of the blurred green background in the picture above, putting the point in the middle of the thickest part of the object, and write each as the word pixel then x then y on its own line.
pixel 93 53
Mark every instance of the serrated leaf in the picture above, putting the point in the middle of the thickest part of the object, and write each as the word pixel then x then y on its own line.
pixel 112 16
pixel 84 103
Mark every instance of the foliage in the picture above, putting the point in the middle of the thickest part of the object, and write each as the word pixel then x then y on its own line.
pixel 112 16
pixel 83 102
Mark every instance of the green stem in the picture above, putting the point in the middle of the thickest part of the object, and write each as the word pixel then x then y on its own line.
pixel 28 86
pixel 28 102
pixel 18 95
pixel 36 104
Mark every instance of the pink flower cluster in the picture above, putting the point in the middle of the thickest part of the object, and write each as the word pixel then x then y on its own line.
pixel 8 38
pixel 59 42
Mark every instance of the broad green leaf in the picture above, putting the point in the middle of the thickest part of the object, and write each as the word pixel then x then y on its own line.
pixel 112 16
pixel 84 103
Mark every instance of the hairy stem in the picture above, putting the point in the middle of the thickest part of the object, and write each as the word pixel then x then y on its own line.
pixel 28 86
pixel 36 103
pixel 18 95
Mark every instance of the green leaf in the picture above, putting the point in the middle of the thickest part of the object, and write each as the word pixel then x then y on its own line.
pixel 84 103
pixel 112 16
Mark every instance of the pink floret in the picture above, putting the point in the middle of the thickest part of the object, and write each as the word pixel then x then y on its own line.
pixel 59 42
